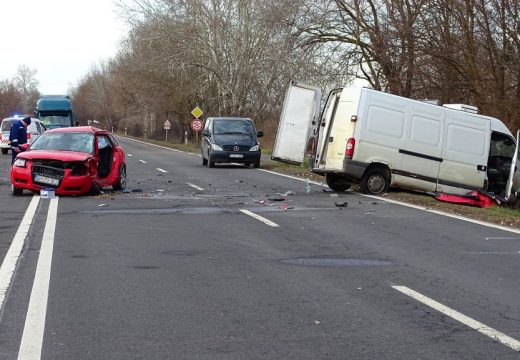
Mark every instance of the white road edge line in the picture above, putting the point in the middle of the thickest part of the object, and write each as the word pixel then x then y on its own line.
pixel 195 186
pixel 515 231
pixel 258 217
pixel 161 170
pixel 15 249
pixel 129 155
pixel 144 162
pixel 32 338
pixel 475 325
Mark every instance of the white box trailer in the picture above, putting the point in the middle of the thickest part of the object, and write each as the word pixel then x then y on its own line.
pixel 379 140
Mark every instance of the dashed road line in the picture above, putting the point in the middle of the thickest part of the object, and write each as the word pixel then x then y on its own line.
pixel 13 254
pixel 260 218
pixel 161 170
pixel 129 155
pixel 474 324
pixel 144 162
pixel 32 337
pixel 195 186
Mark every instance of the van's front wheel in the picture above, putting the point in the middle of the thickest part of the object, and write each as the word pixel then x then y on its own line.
pixel 337 182
pixel 375 181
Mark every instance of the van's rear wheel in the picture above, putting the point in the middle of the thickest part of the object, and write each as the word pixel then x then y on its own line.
pixel 376 181
pixel 4 151
pixel 337 182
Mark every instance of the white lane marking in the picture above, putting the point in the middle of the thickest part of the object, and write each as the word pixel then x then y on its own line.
pixel 293 177
pixel 501 238
pixel 195 186
pixel 161 170
pixel 516 231
pixel 13 254
pixel 144 162
pixel 493 252
pixel 159 146
pixel 258 217
pixel 129 155
pixel 475 325
pixel 32 338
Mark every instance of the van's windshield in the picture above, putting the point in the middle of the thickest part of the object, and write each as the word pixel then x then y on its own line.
pixel 6 124
pixel 221 127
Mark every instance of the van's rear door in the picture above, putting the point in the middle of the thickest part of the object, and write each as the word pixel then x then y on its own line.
pixel 513 168
pixel 299 116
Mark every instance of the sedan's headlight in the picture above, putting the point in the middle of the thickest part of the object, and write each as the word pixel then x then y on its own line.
pixel 216 147
pixel 255 148
pixel 19 162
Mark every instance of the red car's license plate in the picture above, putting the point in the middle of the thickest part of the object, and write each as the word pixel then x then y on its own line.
pixel 46 180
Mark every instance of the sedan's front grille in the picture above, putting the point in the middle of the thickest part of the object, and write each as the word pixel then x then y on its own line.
pixel 236 148
pixel 48 171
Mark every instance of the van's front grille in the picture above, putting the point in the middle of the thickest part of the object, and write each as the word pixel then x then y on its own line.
pixel 236 148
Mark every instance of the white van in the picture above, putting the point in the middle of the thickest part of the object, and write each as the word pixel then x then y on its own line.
pixel 380 140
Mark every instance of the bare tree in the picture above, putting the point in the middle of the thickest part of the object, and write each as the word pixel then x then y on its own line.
pixel 27 84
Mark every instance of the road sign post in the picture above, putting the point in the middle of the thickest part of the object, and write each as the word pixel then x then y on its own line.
pixel 167 126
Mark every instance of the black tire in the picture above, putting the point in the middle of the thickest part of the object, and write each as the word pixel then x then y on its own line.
pixel 94 189
pixel 337 182
pixel 211 163
pixel 375 181
pixel 16 191
pixel 204 161
pixel 5 151
pixel 256 164
pixel 121 181
pixel 247 164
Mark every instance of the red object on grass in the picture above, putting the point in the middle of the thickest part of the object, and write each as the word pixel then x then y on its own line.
pixel 474 198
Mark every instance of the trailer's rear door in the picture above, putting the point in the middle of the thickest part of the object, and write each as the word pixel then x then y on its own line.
pixel 300 114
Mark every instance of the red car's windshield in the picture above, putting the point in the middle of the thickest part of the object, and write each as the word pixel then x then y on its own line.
pixel 65 141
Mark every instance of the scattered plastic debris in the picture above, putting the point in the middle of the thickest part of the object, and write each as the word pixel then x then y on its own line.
pixel 126 191
pixel 277 199
pixel 137 190
pixel 287 193
pixel 327 190
pixel 286 207
pixel 307 186
pixel 239 181
pixel 103 205
pixel 317 322
pixel 341 204
pixel 160 190
pixel 334 195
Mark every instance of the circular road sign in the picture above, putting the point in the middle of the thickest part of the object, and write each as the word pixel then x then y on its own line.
pixel 196 125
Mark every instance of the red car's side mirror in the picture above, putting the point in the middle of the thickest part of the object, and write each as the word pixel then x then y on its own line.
pixel 24 147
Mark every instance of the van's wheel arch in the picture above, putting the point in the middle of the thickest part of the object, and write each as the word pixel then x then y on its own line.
pixel 376 180
pixel 337 182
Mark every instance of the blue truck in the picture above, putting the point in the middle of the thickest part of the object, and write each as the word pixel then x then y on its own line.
pixel 55 111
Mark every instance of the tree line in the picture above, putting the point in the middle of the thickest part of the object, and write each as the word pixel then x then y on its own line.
pixel 236 57
pixel 19 94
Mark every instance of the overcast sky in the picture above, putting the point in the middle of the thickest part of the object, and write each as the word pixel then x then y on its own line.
pixel 60 39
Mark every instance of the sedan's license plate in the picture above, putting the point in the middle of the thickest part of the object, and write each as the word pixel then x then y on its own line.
pixel 236 156
pixel 46 180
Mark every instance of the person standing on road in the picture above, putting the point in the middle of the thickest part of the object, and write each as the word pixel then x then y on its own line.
pixel 18 136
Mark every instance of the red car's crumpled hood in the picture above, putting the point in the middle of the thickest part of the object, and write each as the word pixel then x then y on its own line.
pixel 54 155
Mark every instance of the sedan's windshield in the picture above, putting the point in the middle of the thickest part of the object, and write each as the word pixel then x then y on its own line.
pixel 221 127
pixel 6 124
pixel 55 121
pixel 66 141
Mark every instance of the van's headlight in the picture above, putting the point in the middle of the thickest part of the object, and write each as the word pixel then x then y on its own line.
pixel 255 148
pixel 19 162
pixel 216 147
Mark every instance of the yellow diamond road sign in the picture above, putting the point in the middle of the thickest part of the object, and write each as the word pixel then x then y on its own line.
pixel 197 112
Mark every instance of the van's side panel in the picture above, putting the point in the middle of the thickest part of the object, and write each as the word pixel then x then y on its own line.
pixel 465 152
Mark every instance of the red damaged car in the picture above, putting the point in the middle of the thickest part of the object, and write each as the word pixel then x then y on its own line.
pixel 73 161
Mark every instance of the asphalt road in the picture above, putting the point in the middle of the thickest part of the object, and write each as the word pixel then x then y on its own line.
pixel 223 264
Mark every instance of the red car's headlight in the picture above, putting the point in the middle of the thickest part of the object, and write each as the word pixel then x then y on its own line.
pixel 80 169
pixel 20 163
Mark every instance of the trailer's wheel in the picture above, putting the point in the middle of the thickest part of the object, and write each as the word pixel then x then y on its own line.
pixel 16 191
pixel 337 182
pixel 5 151
pixel 375 181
